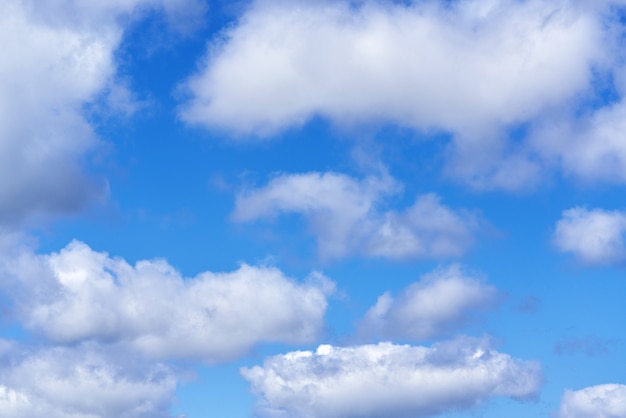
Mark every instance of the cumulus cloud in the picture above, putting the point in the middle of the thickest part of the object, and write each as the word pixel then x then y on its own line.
pixel 602 401
pixel 57 57
pixel 345 216
pixel 78 294
pixel 471 68
pixel 594 236
pixel 399 380
pixel 81 382
pixel 439 303
pixel 400 62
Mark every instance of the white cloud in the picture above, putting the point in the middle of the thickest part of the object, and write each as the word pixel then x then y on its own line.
pixel 79 294
pixel 397 380
pixel 472 68
pixel 594 236
pixel 82 382
pixel 438 304
pixel 591 148
pixel 602 401
pixel 346 217
pixel 57 56
pixel 287 61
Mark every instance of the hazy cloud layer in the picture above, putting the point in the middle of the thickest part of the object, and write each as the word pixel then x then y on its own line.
pixel 82 382
pixel 440 303
pixel 594 236
pixel 384 380
pixel 602 401
pixel 346 216
pixel 79 294
pixel 524 63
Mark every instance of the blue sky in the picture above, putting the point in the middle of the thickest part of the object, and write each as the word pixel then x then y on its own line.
pixel 312 208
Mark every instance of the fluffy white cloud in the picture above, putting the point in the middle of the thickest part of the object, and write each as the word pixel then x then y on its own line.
pixel 602 401
pixel 287 61
pixel 594 236
pixel 57 56
pixel 397 380
pixel 439 303
pixel 472 68
pixel 345 216
pixel 82 382
pixel 79 294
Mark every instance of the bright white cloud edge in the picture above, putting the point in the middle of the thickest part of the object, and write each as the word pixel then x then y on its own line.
pixel 385 380
pixel 601 401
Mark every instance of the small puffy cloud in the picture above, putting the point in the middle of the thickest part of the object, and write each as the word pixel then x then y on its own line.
pixel 397 380
pixel 79 294
pixel 345 216
pixel 439 303
pixel 602 401
pixel 594 236
pixel 82 382
pixel 591 148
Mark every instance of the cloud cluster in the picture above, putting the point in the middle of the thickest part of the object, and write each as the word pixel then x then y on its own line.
pixel 438 304
pixel 81 382
pixel 602 401
pixel 346 217
pixel 594 236
pixel 398 380
pixel 79 294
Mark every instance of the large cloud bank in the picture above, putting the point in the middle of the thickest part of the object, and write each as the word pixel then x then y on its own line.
pixel 474 69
